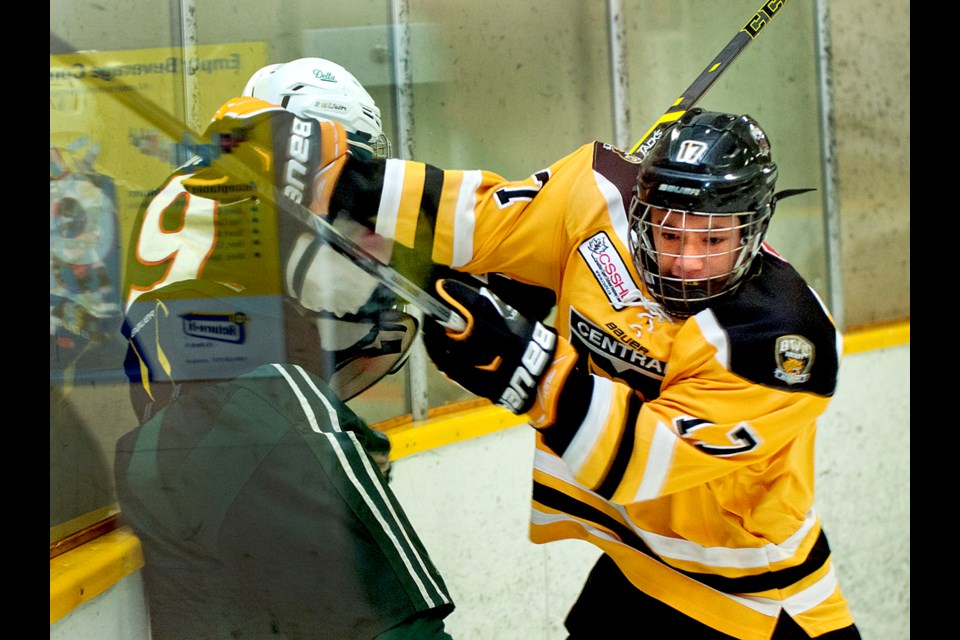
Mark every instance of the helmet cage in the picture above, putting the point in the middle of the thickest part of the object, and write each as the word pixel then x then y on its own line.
pixel 701 206
pixel 655 242
pixel 375 146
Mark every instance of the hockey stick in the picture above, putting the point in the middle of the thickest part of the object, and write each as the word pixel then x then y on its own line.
pixel 708 76
pixel 384 273
pixel 142 105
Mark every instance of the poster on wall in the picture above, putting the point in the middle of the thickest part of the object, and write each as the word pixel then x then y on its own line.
pixel 108 158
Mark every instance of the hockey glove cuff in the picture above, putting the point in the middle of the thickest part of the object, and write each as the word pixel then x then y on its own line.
pixel 501 355
pixel 260 149
pixel 544 411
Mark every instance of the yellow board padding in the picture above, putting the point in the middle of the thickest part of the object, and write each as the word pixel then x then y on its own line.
pixel 90 569
pixel 432 433
pixel 879 335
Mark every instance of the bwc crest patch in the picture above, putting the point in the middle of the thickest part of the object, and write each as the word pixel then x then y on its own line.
pixel 794 358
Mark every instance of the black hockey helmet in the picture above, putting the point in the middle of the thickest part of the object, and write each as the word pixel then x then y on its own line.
pixel 717 167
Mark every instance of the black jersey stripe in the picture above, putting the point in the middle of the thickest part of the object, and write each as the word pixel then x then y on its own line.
pixel 778 579
pixel 624 450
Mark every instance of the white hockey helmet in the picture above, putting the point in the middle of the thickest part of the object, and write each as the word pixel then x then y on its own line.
pixel 319 88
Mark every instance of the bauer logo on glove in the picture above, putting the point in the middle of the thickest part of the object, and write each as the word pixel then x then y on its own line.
pixel 523 383
pixel 265 148
pixel 500 355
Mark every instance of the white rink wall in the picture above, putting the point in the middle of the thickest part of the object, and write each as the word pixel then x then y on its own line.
pixel 863 489
pixel 470 501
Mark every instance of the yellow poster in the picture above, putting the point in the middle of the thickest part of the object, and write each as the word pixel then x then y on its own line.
pixel 120 123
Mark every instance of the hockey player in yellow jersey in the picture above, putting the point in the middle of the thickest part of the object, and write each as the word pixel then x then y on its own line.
pixel 676 396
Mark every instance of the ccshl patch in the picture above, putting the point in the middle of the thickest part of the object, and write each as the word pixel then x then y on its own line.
pixel 794 357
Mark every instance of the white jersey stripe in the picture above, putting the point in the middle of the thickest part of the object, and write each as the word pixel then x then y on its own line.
pixel 334 417
pixel 336 443
pixel 761 605
pixel 464 219
pixel 716 336
pixel 390 199
pixel 578 451
pixel 618 215
pixel 659 461
pixel 677 549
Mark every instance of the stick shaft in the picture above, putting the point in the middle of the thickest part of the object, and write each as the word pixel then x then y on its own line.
pixel 708 76
pixel 385 274
pixel 175 128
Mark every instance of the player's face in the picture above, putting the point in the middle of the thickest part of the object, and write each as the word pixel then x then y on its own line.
pixel 695 247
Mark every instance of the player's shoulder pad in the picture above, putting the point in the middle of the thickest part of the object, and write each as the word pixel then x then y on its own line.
pixel 618 167
pixel 778 332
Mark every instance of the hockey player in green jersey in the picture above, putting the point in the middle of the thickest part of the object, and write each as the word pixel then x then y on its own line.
pixel 260 498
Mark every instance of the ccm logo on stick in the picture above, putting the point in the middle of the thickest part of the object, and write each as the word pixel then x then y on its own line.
pixel 523 382
pixel 295 171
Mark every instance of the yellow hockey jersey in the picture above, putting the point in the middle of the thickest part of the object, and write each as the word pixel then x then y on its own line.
pixel 694 465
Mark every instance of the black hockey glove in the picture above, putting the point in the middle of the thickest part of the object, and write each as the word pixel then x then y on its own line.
pixel 500 355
